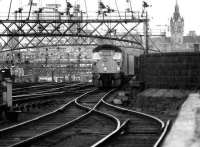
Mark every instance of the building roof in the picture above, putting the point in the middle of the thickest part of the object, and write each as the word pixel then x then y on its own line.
pixel 191 39
pixel 186 39
pixel 161 39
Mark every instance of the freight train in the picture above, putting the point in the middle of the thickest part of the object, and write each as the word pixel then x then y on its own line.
pixel 111 65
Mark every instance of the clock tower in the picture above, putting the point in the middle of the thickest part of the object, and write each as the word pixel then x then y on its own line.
pixel 176 29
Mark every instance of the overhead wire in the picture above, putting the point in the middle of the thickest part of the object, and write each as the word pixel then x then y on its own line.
pixel 154 44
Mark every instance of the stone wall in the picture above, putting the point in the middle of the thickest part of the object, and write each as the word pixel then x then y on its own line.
pixel 169 70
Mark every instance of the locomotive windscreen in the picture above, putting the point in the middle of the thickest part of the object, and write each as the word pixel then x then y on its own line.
pixel 107 47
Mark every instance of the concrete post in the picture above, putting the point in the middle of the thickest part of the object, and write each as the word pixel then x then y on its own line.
pixel 4 91
pixel 52 76
pixel 9 92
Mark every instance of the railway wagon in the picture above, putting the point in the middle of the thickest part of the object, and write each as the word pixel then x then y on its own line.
pixel 111 65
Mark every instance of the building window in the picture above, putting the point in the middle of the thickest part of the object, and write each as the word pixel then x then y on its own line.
pixel 196 47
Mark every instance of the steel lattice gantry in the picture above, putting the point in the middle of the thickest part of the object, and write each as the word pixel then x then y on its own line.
pixel 34 33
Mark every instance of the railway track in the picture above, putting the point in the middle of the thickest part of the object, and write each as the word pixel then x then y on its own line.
pixel 72 117
pixel 137 129
pixel 31 107
pixel 23 132
pixel 84 132
pixel 25 85
pixel 90 101
pixel 35 87
pixel 88 121
pixel 44 88
pixel 51 95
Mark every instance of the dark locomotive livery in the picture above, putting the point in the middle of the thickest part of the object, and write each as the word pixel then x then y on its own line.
pixel 111 65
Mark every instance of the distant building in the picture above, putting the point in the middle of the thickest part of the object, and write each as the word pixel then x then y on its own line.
pixel 177 30
pixel 177 42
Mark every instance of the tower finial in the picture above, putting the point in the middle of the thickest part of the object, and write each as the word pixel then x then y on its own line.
pixel 176 6
pixel 176 12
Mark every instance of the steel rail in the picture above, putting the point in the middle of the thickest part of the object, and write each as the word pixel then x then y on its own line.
pixel 94 108
pixel 163 135
pixel 39 95
pixel 54 89
pixel 42 116
pixel 44 96
pixel 106 138
pixel 33 100
pixel 31 86
pixel 35 138
pixel 49 87
pixel 136 112
pixel 109 136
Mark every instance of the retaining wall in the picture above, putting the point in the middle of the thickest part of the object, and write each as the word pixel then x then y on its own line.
pixel 169 70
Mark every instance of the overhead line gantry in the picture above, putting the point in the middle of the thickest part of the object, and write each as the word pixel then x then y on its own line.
pixel 65 29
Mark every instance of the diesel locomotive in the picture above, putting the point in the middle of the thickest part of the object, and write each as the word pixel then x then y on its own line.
pixel 111 65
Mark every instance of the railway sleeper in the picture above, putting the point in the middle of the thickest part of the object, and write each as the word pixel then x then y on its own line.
pixel 29 106
pixel 145 132
pixel 12 115
pixel 126 130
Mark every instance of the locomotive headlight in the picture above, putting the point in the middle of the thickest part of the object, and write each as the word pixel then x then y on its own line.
pixel 96 56
pixel 117 56
pixel 105 68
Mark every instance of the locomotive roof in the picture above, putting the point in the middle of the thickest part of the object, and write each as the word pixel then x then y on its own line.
pixel 107 47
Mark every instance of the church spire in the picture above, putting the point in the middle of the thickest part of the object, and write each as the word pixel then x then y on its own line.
pixel 176 12
pixel 177 29
pixel 176 7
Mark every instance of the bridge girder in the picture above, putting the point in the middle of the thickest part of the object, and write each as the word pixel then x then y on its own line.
pixel 24 34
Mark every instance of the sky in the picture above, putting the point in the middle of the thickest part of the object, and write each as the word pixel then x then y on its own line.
pixel 160 11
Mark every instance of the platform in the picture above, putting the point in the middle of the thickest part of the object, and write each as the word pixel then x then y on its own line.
pixel 185 131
